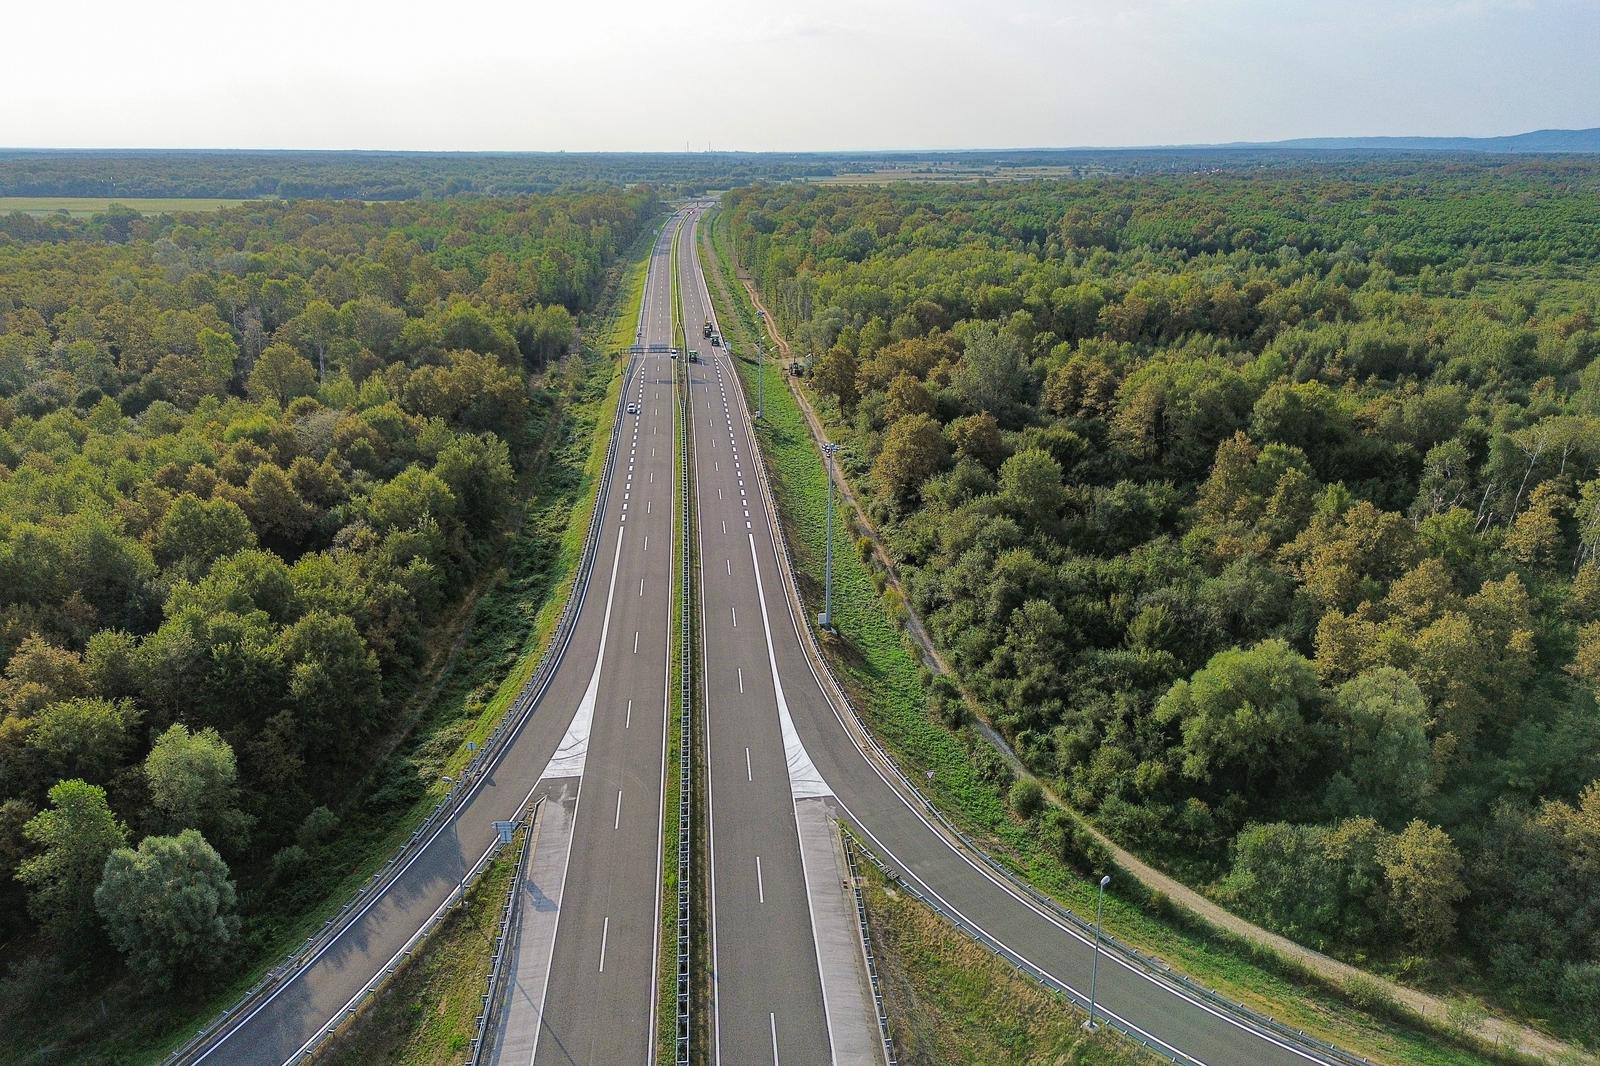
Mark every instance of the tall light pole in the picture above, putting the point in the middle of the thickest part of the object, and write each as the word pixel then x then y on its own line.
pixel 1094 973
pixel 825 619
pixel 461 892
pixel 761 378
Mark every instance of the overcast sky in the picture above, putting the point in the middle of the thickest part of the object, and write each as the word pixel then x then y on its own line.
pixel 802 75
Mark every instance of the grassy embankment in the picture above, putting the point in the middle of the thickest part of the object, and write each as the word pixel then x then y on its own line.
pixel 887 684
pixel 951 1001
pixel 426 1014
pixel 484 655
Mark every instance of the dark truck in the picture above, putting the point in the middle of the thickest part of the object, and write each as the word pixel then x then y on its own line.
pixel 705 330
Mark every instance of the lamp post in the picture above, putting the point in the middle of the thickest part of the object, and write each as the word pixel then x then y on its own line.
pixel 825 619
pixel 1094 973
pixel 761 378
pixel 461 891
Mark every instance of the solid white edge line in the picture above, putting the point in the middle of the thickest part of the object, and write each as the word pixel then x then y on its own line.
pixel 1029 904
pixel 473 792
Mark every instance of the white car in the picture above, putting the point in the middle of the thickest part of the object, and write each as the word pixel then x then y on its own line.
pixel 633 408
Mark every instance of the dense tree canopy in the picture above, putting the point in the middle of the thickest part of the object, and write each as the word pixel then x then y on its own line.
pixel 246 461
pixel 1278 546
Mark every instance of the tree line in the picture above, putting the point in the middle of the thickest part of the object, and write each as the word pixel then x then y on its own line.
pixel 1262 514
pixel 247 460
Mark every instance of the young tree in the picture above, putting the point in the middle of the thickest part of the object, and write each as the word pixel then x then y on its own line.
pixel 193 780
pixel 1423 871
pixel 74 834
pixel 84 738
pixel 168 907
pixel 1585 665
pixel 1535 536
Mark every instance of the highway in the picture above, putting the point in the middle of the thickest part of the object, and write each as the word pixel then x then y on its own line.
pixel 598 997
pixel 769 1001
pixel 784 755
pixel 595 732
pixel 875 801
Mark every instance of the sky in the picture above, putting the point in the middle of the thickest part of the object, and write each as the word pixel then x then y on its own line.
pixel 819 75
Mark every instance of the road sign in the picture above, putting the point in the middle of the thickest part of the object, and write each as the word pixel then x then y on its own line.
pixel 506 830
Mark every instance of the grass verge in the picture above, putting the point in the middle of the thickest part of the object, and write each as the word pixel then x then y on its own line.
pixel 672 780
pixel 888 686
pixel 952 1001
pixel 426 1014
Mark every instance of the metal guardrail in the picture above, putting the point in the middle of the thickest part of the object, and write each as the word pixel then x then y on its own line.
pixel 415 944
pixel 685 738
pixel 1149 965
pixel 866 948
pixel 505 940
pixel 460 790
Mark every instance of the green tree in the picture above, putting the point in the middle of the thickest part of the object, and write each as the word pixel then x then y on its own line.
pixel 1424 875
pixel 835 375
pixel 993 375
pixel 1246 714
pixel 281 373
pixel 39 673
pixel 193 781
pixel 74 835
pixel 1380 727
pixel 168 907
pixel 84 738
pixel 1031 486
pixel 195 533
pixel 913 451
pixel 413 494
pixel 333 680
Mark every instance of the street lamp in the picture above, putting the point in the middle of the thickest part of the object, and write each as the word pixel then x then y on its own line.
pixel 461 891
pixel 761 378
pixel 825 619
pixel 1094 973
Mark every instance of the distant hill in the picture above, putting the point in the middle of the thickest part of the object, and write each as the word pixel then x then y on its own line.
pixel 1578 141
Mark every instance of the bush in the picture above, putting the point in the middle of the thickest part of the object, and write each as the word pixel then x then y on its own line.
pixel 1368 995
pixel 1027 798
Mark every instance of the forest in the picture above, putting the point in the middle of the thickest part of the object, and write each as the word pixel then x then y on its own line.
pixel 247 461
pixel 137 174
pixel 377 175
pixel 1261 514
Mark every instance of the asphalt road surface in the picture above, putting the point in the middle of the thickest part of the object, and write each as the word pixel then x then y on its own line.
pixel 600 997
pixel 597 733
pixel 611 898
pixel 768 996
pixel 1168 1017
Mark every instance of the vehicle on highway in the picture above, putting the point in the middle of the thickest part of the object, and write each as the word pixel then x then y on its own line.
pixel 633 408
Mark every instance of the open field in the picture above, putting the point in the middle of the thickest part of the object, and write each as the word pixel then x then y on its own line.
pixel 951 172
pixel 84 206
